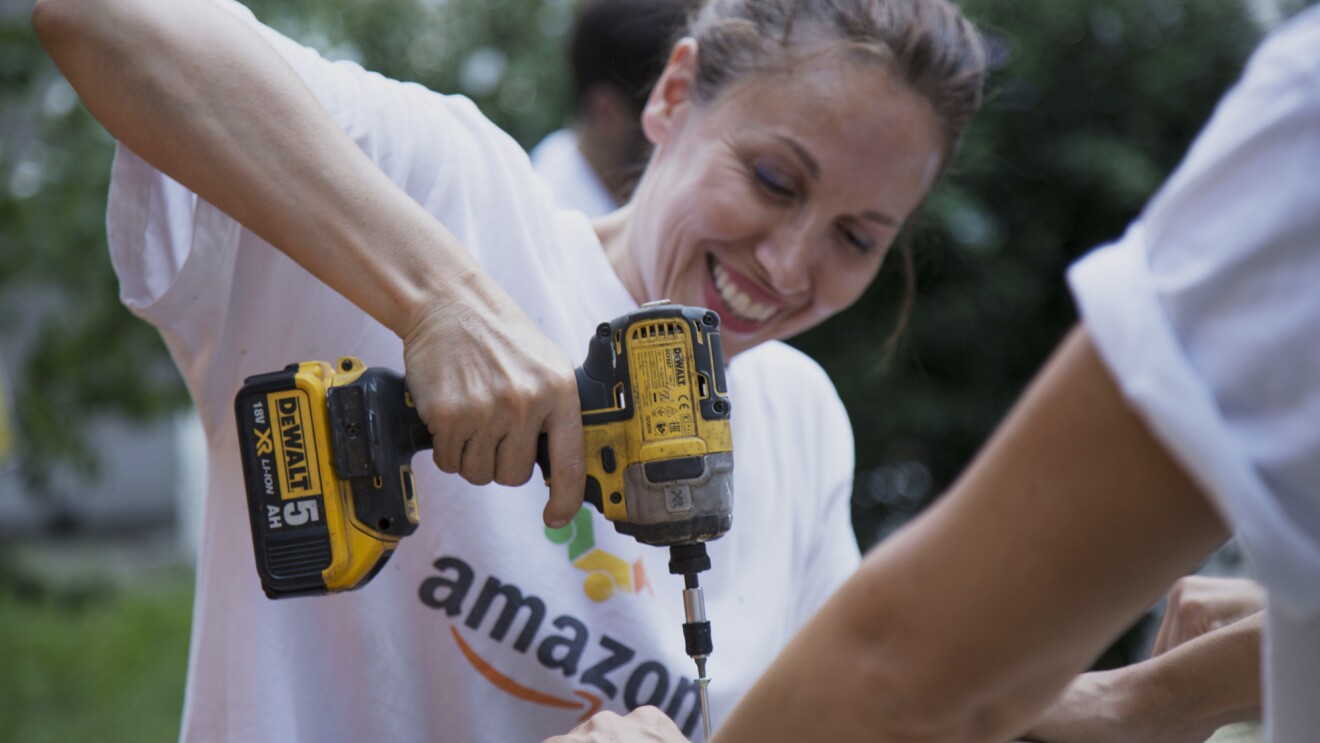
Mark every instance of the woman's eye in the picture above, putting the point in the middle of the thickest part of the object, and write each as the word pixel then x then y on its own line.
pixel 857 239
pixel 774 182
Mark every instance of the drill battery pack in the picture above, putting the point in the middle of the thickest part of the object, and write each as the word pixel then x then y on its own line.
pixel 327 454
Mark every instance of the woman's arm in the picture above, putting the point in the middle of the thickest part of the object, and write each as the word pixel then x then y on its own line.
pixel 968 622
pixel 202 97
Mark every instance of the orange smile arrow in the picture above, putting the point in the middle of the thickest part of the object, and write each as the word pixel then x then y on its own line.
pixel 509 686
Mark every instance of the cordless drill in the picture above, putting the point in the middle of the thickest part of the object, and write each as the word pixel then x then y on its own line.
pixel 327 457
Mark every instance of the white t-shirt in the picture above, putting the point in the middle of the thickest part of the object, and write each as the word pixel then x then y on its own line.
pixel 572 181
pixel 480 628
pixel 1208 313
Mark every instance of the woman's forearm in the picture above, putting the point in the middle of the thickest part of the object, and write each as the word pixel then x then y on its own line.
pixel 201 96
pixel 966 623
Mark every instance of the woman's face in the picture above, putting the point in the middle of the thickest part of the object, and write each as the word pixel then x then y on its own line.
pixel 774 204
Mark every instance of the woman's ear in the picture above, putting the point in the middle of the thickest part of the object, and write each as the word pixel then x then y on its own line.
pixel 671 98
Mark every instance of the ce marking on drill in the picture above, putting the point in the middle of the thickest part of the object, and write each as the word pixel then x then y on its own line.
pixel 684 411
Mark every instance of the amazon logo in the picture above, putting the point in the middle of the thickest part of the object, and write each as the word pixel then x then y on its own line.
pixel 605 667
pixel 607 574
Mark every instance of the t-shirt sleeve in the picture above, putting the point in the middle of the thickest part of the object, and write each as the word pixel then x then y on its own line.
pixel 1207 312
pixel 152 220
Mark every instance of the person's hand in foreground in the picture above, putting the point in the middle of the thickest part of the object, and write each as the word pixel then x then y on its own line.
pixel 642 725
pixel 1200 604
pixel 1181 696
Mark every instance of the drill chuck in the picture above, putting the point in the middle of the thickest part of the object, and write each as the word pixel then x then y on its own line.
pixel 688 560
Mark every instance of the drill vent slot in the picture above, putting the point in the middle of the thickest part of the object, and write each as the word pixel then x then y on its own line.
pixel 658 331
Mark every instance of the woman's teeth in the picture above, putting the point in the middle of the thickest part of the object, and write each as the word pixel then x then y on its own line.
pixel 742 305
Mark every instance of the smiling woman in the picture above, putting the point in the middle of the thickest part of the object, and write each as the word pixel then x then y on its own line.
pixel 775 204
pixel 792 141
pixel 268 205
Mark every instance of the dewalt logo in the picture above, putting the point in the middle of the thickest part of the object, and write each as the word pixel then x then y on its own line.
pixel 299 476
pixel 680 366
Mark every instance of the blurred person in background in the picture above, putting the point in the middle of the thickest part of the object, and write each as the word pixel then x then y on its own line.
pixel 1186 402
pixel 270 206
pixel 616 50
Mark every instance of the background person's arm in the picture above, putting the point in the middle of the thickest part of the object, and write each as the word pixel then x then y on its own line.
pixel 1181 696
pixel 968 622
pixel 1199 604
pixel 202 97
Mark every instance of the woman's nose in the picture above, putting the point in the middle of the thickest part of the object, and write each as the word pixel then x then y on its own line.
pixel 787 259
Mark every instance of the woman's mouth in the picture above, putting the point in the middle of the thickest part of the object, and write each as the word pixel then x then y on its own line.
pixel 736 299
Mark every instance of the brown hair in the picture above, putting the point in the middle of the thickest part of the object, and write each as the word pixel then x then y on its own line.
pixel 928 44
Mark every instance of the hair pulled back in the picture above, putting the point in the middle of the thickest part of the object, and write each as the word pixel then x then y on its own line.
pixel 928 44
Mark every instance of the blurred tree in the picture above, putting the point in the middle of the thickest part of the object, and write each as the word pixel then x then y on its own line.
pixel 79 351
pixel 1089 107
pixel 503 54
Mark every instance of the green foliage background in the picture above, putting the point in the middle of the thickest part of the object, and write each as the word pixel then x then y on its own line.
pixel 86 353
pixel 1090 106
pixel 93 662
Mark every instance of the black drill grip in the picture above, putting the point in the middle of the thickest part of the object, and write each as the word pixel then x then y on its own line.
pixel 373 426
pixel 375 432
